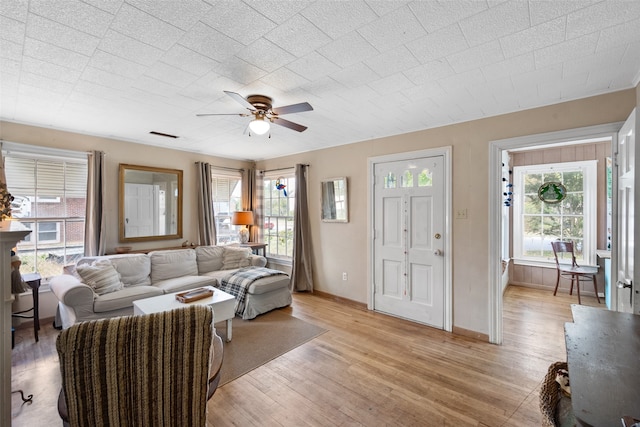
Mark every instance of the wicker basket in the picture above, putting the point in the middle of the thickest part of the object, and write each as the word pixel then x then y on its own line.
pixel 550 395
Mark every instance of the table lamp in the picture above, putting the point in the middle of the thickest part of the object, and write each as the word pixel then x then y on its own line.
pixel 243 218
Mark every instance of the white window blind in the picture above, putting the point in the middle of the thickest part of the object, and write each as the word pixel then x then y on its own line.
pixel 49 189
pixel 227 198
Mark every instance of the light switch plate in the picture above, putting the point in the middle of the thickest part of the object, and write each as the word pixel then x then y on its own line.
pixel 461 214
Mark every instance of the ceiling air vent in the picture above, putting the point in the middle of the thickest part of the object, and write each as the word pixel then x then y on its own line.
pixel 166 135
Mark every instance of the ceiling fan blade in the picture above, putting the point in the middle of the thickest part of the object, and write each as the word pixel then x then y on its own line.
pixel 241 100
pixel 288 124
pixel 294 108
pixel 224 114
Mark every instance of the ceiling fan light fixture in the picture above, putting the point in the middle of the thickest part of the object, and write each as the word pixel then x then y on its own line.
pixel 259 126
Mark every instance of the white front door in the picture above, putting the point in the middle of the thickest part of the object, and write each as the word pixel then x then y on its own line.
pixel 625 166
pixel 409 239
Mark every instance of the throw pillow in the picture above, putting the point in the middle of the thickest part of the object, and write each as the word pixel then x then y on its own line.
pixel 235 258
pixel 101 276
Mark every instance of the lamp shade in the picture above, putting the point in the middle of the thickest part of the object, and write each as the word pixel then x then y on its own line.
pixel 259 126
pixel 242 218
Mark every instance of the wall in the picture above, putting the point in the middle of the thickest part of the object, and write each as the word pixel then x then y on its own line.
pixel 116 152
pixel 345 247
pixel 126 152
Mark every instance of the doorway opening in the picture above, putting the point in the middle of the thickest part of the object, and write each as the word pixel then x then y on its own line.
pixel 499 213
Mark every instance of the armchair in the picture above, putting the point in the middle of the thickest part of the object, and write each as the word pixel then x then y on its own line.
pixel 140 370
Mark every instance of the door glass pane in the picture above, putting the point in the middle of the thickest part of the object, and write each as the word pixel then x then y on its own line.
pixel 390 181
pixel 407 179
pixel 425 178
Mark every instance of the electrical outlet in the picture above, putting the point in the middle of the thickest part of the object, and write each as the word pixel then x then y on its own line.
pixel 344 276
pixel 461 214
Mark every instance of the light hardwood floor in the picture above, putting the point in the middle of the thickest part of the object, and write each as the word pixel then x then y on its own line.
pixel 368 369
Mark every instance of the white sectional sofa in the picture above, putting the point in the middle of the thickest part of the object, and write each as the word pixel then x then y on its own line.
pixel 106 286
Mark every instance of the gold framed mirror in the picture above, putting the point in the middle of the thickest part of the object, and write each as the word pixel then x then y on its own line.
pixel 150 203
pixel 335 203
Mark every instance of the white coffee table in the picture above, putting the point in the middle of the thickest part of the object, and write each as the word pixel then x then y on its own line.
pixel 223 305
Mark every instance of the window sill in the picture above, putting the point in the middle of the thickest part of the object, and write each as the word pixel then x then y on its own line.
pixel 544 264
pixel 532 263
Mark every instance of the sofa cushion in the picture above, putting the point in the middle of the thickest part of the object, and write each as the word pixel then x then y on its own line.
pixel 268 284
pixel 260 286
pixel 171 264
pixel 184 283
pixel 234 257
pixel 134 269
pixel 70 269
pixel 219 274
pixel 124 298
pixel 209 258
pixel 101 276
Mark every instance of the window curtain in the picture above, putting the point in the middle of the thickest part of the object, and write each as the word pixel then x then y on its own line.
pixel 251 196
pixel 6 208
pixel 302 268
pixel 95 239
pixel 206 217
pixel 258 213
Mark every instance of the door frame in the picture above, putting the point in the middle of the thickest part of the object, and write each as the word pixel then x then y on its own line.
pixel 496 148
pixel 448 286
pixel 635 306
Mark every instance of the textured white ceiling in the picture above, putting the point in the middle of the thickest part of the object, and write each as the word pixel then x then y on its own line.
pixel 369 68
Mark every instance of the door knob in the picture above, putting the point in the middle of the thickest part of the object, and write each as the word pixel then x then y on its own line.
pixel 622 285
pixel 437 252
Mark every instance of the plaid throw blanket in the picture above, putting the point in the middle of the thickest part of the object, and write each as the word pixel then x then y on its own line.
pixel 237 283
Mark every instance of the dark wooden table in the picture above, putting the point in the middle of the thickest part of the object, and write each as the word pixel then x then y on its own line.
pixel 256 247
pixel 33 281
pixel 603 353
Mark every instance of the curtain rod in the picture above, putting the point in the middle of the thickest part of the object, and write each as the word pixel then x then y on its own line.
pixel 224 167
pixel 282 169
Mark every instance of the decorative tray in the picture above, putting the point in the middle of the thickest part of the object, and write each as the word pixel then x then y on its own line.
pixel 194 295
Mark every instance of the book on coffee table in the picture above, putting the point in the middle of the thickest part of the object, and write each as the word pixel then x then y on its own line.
pixel 194 295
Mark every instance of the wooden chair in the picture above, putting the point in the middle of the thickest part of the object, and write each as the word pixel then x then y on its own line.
pixel 140 370
pixel 572 271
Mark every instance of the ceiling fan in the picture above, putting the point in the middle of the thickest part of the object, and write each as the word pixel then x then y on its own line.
pixel 260 106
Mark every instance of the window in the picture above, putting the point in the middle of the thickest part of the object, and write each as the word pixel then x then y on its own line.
pixel 536 223
pixel 46 231
pixel 227 198
pixel 50 198
pixel 278 214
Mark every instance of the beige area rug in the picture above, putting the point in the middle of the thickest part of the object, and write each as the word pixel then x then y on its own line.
pixel 256 342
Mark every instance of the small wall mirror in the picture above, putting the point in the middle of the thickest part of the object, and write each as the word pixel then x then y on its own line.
pixel 334 200
pixel 150 203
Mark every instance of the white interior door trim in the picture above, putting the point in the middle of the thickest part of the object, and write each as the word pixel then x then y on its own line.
pixel 448 285
pixel 496 148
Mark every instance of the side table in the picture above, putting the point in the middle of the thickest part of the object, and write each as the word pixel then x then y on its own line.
pixel 256 247
pixel 33 281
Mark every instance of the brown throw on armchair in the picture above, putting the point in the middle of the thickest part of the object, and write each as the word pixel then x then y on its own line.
pixel 150 370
